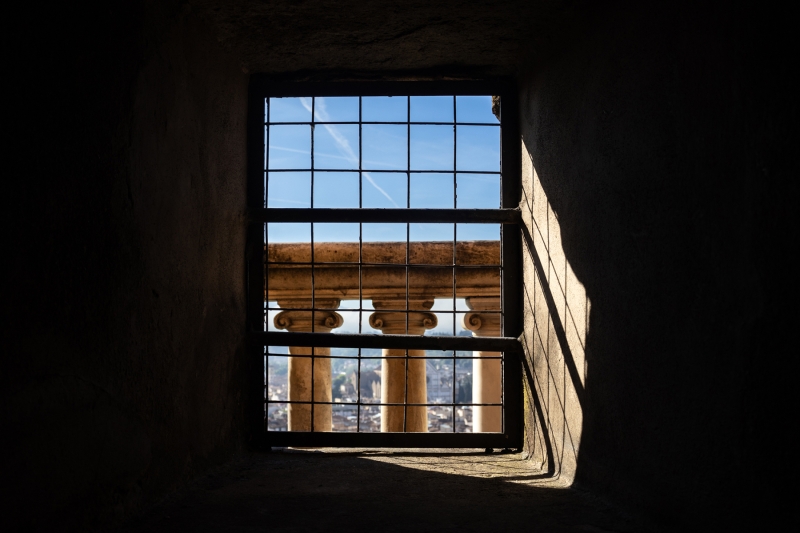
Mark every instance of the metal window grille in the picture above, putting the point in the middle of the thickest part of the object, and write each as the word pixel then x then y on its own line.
pixel 318 140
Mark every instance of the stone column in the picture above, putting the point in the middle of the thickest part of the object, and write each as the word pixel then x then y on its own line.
pixel 300 368
pixel 393 371
pixel 487 378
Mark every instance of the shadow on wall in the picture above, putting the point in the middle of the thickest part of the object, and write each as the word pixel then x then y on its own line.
pixel 556 318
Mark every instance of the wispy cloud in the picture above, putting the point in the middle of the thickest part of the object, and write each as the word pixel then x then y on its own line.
pixel 275 148
pixel 285 201
pixel 320 113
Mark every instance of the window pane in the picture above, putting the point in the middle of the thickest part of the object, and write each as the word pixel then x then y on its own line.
pixel 289 189
pixel 479 232
pixel 336 189
pixel 290 147
pixel 440 378
pixel 431 147
pixel 384 108
pixel 478 191
pixel 431 232
pixel 384 190
pixel 464 415
pixel 370 385
pixel 277 383
pixel 366 328
pixel 336 146
pixel 384 147
pixel 349 325
pixel 431 244
pixel 344 416
pixel 432 191
pixel 336 109
pixel 384 243
pixel 444 309
pixel 426 280
pixel 440 419
pixel 290 110
pixel 335 232
pixel 431 109
pixel 288 232
pixel 478 148
pixel 370 416
pixel 476 109
pixel 277 417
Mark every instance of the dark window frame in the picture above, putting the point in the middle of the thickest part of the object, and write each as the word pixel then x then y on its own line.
pixel 508 215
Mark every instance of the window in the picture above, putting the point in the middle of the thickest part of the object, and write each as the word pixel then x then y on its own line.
pixel 383 264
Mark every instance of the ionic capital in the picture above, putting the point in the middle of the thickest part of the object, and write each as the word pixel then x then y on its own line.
pixel 402 323
pixel 483 324
pixel 320 320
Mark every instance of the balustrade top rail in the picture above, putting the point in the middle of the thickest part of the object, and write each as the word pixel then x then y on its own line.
pixel 351 270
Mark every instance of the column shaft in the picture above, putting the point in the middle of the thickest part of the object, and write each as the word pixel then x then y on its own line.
pixel 487 374
pixel 394 386
pixel 301 369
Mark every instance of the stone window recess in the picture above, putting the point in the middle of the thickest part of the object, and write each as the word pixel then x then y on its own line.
pixel 383 264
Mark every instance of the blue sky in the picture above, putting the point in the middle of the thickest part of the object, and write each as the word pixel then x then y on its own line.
pixel 465 177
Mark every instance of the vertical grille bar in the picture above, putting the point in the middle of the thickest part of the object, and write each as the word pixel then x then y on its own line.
pixel 313 287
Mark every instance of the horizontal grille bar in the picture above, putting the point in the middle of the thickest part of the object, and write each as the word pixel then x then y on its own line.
pixel 388 440
pixel 382 357
pixel 382 170
pixel 460 216
pixel 366 404
pixel 298 264
pixel 410 342
pixel 378 122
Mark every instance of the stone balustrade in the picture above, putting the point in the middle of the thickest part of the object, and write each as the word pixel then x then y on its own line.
pixel 402 299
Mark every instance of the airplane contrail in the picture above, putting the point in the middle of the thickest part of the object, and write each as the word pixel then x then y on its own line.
pixel 321 114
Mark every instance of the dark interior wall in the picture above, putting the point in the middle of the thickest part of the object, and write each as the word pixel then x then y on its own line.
pixel 124 306
pixel 662 141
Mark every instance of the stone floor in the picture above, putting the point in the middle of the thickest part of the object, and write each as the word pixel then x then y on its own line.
pixel 363 490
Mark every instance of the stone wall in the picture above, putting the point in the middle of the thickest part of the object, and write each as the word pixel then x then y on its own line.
pixel 556 317
pixel 123 331
pixel 653 165
pixel 659 144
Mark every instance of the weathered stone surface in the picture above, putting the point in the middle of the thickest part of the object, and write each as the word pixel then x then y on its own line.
pixel 403 379
pixel 340 278
pixel 406 38
pixel 305 370
pixel 487 374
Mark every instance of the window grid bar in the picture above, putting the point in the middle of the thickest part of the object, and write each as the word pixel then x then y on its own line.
pixel 265 260
pixel 389 171
pixel 415 215
pixel 408 260
pixel 349 264
pixel 455 240
pixel 313 288
pixel 370 122
pixel 386 310
pixel 414 342
pixel 381 357
pixel 379 404
pixel 360 263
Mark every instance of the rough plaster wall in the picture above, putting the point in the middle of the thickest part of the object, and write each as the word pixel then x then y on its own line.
pixel 123 331
pixel 319 39
pixel 658 154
